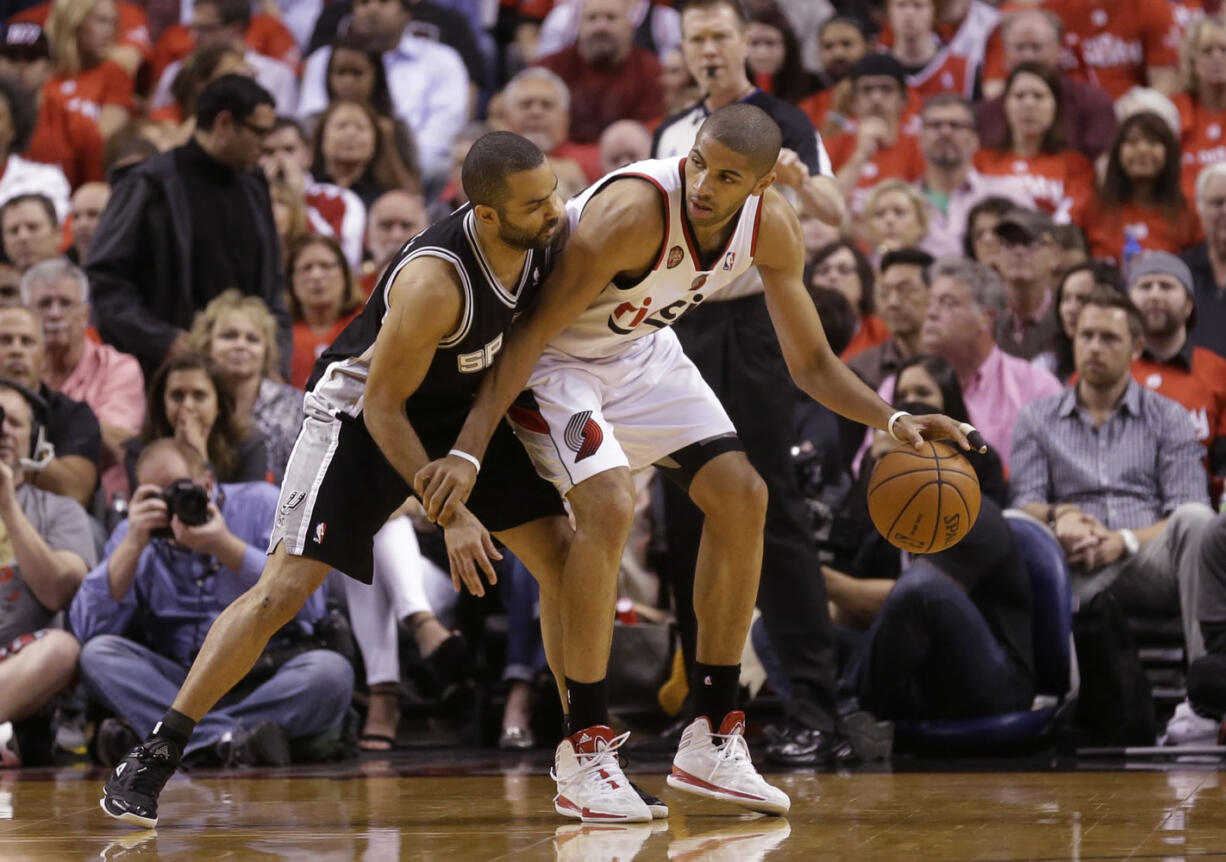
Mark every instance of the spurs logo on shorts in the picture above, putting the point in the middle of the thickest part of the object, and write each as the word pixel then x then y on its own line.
pixel 583 436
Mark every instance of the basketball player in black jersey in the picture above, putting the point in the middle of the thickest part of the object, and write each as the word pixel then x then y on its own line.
pixel 388 396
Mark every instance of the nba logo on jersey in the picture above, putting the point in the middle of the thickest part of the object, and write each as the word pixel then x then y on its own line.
pixel 729 261
pixel 320 529
pixel 675 256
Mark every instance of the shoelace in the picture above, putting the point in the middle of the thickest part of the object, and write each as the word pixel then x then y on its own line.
pixel 604 758
pixel 734 750
pixel 146 779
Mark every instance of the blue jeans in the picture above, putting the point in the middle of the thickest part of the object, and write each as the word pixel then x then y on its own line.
pixel 930 654
pixel 525 657
pixel 307 695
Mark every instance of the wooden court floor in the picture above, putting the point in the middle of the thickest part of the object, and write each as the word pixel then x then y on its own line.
pixel 372 811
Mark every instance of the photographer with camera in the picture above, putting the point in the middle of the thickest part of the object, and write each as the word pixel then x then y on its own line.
pixel 188 549
pixel 46 547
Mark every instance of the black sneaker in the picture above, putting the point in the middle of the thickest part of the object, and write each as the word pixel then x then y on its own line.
pixel 656 805
pixel 131 790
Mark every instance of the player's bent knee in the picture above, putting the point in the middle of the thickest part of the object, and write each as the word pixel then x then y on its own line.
pixel 736 495
pixel 604 503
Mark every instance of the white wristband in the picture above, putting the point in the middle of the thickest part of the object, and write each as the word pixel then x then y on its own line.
pixel 889 427
pixel 469 458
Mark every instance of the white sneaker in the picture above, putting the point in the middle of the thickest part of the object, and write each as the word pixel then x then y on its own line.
pixel 740 842
pixel 1188 728
pixel 591 785
pixel 724 771
pixel 600 842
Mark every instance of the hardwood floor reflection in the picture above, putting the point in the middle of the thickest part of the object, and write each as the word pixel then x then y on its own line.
pixel 359 813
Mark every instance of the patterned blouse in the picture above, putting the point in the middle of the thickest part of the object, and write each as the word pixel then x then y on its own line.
pixel 277 413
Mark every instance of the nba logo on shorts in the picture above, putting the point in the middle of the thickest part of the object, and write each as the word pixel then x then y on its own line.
pixel 583 436
pixel 729 261
pixel 320 529
pixel 675 254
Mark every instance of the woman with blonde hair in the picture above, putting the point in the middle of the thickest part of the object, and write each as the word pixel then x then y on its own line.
pixel 82 34
pixel 239 334
pixel 289 213
pixel 894 217
pixel 1202 103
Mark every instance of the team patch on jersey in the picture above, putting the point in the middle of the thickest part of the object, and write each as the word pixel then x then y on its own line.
pixel 675 256
pixel 583 436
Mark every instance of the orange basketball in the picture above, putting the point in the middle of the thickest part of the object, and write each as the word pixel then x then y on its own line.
pixel 923 502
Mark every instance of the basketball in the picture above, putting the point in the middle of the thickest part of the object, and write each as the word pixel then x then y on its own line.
pixel 923 502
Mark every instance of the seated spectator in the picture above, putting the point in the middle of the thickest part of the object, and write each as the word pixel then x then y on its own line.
pixel 951 186
pixel 21 176
pixel 965 302
pixel 1070 296
pixel 198 70
pixel 1160 285
pixel 622 143
pixel 656 28
pixel 841 266
pixel 1202 104
pixel 266 35
pixel 290 214
pixel 218 23
pixel 323 299
pixel 82 34
pixel 171 579
pixel 349 152
pixel 841 44
pixel 427 80
pixel 190 402
pixel 72 429
pixel 46 128
pixel 1033 36
pixel 894 217
pixel 1033 148
pixel 239 334
pixel 46 548
pixel 1198 720
pixel 610 78
pixel 161 252
pixel 1071 249
pixel 775 64
pixel 10 286
pixel 876 146
pixel 356 73
pixel 825 442
pixel 75 365
pixel 330 210
pixel 395 218
pixel 902 294
pixel 452 196
pixel 1126 43
pixel 1115 469
pixel 1029 256
pixel 131 47
pixel 538 107
pixel 979 241
pixel 677 86
pixel 1139 203
pixel 30 230
pixel 88 202
pixel 1208 260
pixel 931 67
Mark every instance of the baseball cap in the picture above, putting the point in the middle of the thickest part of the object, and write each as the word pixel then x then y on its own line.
pixel 875 63
pixel 1029 225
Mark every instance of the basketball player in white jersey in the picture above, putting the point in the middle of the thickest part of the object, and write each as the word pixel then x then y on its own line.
pixel 612 393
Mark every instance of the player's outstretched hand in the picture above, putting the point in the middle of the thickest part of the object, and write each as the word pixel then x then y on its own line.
pixel 470 551
pixel 443 486
pixel 935 426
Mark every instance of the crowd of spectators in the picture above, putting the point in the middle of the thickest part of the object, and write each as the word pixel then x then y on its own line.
pixel 1013 213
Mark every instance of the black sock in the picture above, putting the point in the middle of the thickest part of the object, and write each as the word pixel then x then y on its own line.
pixel 589 703
pixel 174 727
pixel 715 688
pixel 565 725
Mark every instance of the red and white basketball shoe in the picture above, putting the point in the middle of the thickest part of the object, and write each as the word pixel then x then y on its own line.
pixel 718 766
pixel 591 784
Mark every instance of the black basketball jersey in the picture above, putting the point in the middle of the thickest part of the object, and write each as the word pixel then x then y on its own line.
pixel 463 356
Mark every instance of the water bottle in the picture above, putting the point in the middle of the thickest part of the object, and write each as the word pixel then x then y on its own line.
pixel 117 511
pixel 1132 248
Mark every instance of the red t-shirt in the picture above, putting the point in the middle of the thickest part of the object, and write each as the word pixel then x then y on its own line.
pixel 904 160
pixel 947 73
pixel 66 138
pixel 133 24
pixel 1060 182
pixel 1201 388
pixel 1119 39
pixel 1106 228
pixel 1200 139
pixel 308 347
pixel 88 91
pixel 265 35
pixel 599 97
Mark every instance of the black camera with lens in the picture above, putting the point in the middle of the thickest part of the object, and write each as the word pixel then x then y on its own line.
pixel 187 500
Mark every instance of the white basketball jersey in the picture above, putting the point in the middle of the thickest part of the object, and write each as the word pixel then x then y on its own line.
pixel 676 282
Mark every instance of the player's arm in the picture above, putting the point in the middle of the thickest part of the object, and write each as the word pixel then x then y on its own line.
pixel 811 362
pixel 424 306
pixel 620 231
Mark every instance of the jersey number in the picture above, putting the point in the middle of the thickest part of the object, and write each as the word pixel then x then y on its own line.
pixel 479 360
